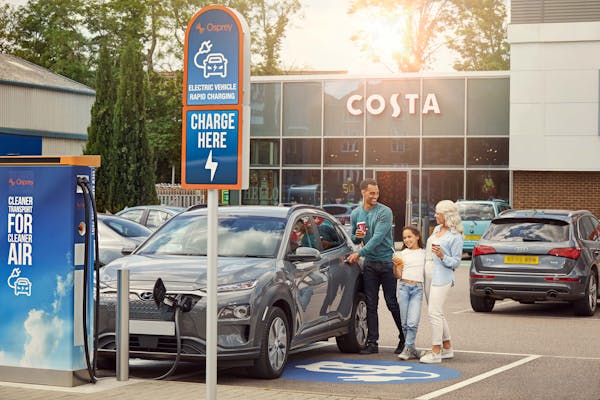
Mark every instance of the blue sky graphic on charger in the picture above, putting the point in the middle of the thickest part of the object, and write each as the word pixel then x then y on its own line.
pixel 36 292
pixel 366 371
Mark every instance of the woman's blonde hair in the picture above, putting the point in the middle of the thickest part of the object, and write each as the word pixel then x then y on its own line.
pixel 452 220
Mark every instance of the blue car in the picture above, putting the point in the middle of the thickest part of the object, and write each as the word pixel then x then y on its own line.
pixel 476 216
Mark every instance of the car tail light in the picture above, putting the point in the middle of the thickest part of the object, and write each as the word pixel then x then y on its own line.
pixel 558 279
pixel 476 276
pixel 480 250
pixel 567 252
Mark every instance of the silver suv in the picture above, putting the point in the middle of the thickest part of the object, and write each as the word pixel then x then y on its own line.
pixel 538 255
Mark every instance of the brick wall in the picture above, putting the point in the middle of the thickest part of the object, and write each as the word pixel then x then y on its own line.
pixel 558 190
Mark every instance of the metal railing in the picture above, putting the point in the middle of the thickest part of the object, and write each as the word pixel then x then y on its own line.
pixel 175 195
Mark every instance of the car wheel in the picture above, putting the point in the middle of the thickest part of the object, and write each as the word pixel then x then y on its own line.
pixel 587 305
pixel 482 303
pixel 356 338
pixel 274 346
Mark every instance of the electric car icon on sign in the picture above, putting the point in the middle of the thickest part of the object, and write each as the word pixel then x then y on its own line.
pixel 22 286
pixel 215 64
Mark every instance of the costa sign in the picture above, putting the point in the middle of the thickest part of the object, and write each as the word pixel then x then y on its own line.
pixel 376 104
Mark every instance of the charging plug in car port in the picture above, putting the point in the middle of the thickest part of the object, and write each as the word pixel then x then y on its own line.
pixel 180 301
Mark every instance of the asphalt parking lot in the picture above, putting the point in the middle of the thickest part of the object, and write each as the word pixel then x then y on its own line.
pixel 534 351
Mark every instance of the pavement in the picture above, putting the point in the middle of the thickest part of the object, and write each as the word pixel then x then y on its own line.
pixel 144 389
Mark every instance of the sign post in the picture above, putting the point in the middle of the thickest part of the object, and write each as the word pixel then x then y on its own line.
pixel 215 131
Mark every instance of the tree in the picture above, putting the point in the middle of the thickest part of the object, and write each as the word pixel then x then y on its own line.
pixel 480 36
pixel 49 33
pixel 268 21
pixel 131 170
pixel 100 131
pixel 416 25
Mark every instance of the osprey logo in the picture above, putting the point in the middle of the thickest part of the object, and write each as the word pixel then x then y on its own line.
pixel 146 296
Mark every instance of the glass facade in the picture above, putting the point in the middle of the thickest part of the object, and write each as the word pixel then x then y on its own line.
pixel 424 139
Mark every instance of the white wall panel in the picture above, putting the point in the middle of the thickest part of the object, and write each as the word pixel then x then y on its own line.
pixel 62 147
pixel 527 119
pixel 571 120
pixel 526 87
pixel 576 86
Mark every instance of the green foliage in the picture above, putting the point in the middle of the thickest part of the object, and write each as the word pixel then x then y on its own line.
pixel 100 131
pixel 131 172
pixel 49 33
pixel 480 36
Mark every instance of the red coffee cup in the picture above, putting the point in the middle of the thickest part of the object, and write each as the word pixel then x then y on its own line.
pixel 361 226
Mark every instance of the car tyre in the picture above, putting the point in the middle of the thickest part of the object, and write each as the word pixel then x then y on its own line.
pixel 587 305
pixel 356 338
pixel 482 303
pixel 274 346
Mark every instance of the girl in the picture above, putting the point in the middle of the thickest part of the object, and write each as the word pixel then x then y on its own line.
pixel 410 289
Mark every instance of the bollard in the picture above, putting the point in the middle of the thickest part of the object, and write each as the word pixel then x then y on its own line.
pixel 122 325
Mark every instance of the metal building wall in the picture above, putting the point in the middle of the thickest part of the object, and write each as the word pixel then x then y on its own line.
pixel 553 11
pixel 61 113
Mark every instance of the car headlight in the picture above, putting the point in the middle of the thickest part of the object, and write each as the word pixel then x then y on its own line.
pixel 230 287
pixel 234 311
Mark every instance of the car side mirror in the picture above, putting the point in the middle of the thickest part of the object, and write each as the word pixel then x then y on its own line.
pixel 305 254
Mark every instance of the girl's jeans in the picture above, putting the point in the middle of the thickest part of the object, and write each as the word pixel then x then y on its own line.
pixel 410 298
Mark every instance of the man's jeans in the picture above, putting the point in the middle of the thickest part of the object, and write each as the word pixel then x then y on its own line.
pixel 410 298
pixel 375 274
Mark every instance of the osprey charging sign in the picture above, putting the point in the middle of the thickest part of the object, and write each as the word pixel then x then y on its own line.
pixel 216 101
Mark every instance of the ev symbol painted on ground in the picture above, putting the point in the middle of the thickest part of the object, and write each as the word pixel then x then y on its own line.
pixel 367 371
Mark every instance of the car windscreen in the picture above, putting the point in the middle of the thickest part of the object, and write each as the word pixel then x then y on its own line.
pixel 528 230
pixel 476 211
pixel 126 228
pixel 239 236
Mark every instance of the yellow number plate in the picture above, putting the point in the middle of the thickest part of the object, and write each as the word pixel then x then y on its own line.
pixel 472 237
pixel 521 260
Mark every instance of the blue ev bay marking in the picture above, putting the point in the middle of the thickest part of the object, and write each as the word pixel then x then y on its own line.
pixel 367 371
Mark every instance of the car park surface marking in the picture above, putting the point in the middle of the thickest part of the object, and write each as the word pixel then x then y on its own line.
pixel 477 378
pixel 366 371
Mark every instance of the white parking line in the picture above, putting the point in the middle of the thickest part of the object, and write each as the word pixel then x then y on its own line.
pixel 477 378
pixel 498 304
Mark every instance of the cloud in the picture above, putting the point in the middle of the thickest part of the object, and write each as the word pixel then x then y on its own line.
pixel 63 286
pixel 46 332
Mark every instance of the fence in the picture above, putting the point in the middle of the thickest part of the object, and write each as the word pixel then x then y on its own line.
pixel 174 195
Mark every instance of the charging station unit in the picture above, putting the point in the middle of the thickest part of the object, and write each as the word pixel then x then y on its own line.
pixel 47 271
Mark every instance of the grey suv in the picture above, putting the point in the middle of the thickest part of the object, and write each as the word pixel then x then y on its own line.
pixel 537 255
pixel 282 282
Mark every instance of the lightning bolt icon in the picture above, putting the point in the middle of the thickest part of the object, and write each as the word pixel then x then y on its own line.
pixel 211 165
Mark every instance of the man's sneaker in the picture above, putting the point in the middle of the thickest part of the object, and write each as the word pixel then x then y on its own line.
pixel 447 353
pixel 431 358
pixel 399 348
pixel 408 354
pixel 371 348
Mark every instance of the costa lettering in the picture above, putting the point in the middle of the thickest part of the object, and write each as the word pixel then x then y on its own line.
pixel 376 104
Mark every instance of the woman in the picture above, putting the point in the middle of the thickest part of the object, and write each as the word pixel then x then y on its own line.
pixel 444 252
pixel 410 289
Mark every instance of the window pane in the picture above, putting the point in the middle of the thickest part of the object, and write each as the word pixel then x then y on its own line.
pixel 341 186
pixel 393 152
pixel 338 120
pixel 482 185
pixel 344 152
pixel 302 152
pixel 441 185
pixel 441 152
pixel 263 188
pixel 450 94
pixel 265 109
pixel 487 152
pixel 302 109
pixel 302 186
pixel 264 152
pixel 393 93
pixel 488 106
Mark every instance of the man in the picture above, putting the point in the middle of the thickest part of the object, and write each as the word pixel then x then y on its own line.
pixel 372 225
